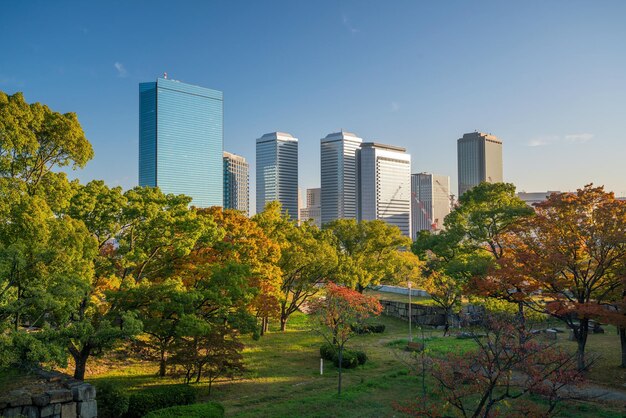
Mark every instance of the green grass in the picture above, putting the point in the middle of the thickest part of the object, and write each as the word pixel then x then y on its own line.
pixel 283 378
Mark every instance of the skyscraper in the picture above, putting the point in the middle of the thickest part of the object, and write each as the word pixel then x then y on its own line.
pixel 313 209
pixel 430 202
pixel 181 140
pixel 339 176
pixel 277 172
pixel 479 159
pixel 236 183
pixel 385 185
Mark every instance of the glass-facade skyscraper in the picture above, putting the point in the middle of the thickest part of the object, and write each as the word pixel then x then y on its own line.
pixel 236 183
pixel 277 172
pixel 430 202
pixel 181 140
pixel 479 159
pixel 339 176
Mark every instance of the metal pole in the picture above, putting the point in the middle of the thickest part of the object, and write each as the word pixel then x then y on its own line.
pixel 321 366
pixel 410 330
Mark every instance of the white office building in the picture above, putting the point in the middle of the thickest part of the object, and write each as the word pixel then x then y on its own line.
pixel 384 173
pixel 479 160
pixel 277 172
pixel 236 183
pixel 339 176
pixel 313 209
pixel 430 202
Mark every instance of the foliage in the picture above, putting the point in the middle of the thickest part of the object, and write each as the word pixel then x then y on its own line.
pixel 573 254
pixel 499 378
pixel 159 397
pixel 113 400
pixel 199 410
pixel 371 252
pixel 338 312
pixel 369 328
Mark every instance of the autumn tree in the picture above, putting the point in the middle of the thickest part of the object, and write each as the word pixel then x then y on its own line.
pixel 307 258
pixel 499 378
pixel 338 312
pixel 370 252
pixel 569 260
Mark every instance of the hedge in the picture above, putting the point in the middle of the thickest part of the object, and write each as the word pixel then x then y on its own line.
pixel 159 397
pixel 198 410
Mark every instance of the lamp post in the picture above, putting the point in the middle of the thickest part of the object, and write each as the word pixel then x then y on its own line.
pixel 410 331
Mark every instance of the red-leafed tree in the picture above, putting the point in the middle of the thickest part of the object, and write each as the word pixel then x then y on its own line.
pixel 567 261
pixel 338 312
pixel 499 377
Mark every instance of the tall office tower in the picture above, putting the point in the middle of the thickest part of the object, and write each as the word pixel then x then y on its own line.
pixel 181 140
pixel 339 177
pixel 430 202
pixel 384 173
pixel 277 172
pixel 236 183
pixel 479 159
pixel 313 209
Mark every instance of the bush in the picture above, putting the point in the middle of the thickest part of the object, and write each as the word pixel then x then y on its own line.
pixel 112 400
pixel 327 351
pixel 369 328
pixel 349 360
pixel 159 397
pixel 361 357
pixel 199 410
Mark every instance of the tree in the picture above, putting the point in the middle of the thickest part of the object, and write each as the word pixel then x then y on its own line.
pixel 569 260
pixel 307 258
pixel 499 378
pixel 337 314
pixel 369 252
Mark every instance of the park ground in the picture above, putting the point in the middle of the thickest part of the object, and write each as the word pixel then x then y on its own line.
pixel 283 374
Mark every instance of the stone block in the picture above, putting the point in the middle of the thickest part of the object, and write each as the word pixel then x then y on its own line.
pixel 52 410
pixel 41 400
pixel 30 411
pixel 87 409
pixel 69 410
pixel 60 395
pixel 12 412
pixel 19 398
pixel 551 334
pixel 84 392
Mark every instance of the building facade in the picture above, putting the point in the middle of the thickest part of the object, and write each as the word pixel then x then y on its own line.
pixel 531 198
pixel 338 152
pixel 277 172
pixel 313 209
pixel 236 183
pixel 181 140
pixel 384 173
pixel 479 160
pixel 430 202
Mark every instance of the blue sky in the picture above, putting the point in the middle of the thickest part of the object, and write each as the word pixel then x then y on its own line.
pixel 548 78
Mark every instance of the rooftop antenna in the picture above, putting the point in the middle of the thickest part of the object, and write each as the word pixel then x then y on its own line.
pixel 165 75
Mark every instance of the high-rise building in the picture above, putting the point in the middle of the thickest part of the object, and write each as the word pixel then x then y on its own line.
pixel 479 159
pixel 181 140
pixel 277 172
pixel 339 176
pixel 236 183
pixel 430 202
pixel 531 198
pixel 313 209
pixel 384 173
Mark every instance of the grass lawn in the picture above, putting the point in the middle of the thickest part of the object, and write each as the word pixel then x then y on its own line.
pixel 283 378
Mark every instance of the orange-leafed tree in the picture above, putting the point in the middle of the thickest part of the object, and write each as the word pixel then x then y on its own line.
pixel 338 312
pixel 568 261
pixel 246 243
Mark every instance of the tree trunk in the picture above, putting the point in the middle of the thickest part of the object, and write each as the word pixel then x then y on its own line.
pixel 581 339
pixel 446 324
pixel 80 360
pixel 199 374
pixel 283 322
pixel 162 362
pixel 340 361
pixel 521 322
pixel 262 326
pixel 622 338
pixel 266 324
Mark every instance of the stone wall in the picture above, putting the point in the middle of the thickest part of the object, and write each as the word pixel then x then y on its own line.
pixel 50 395
pixel 420 314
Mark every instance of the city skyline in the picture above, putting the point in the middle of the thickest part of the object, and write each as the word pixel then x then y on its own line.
pixel 413 75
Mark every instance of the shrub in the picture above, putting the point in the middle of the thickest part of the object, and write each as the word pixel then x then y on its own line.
pixel 112 400
pixel 361 357
pixel 199 410
pixel 327 351
pixel 159 397
pixel 349 360
pixel 369 328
